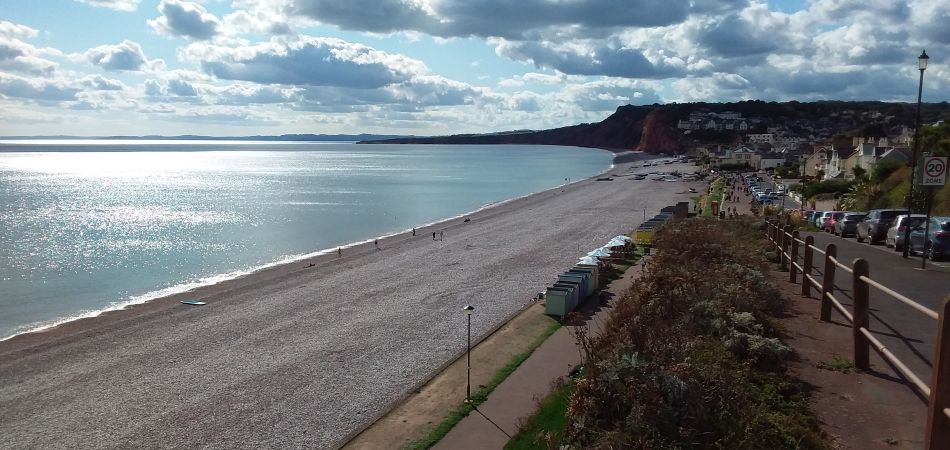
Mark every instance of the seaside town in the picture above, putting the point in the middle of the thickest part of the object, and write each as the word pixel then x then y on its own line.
pixel 809 148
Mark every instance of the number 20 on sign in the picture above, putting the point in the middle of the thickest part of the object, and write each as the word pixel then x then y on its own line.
pixel 935 171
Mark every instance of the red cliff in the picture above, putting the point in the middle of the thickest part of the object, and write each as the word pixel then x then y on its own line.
pixel 656 136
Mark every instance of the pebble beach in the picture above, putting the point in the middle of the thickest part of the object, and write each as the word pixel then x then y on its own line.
pixel 306 354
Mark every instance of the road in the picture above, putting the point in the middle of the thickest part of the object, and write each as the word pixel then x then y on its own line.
pixel 906 332
pixel 769 183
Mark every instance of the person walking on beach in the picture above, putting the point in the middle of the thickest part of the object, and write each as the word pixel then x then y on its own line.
pixel 413 231
pixel 441 234
pixel 433 235
pixel 339 252
pixel 376 243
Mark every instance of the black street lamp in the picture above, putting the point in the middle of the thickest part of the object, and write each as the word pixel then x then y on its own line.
pixel 922 65
pixel 468 378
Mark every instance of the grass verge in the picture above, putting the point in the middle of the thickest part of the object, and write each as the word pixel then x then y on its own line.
pixel 715 195
pixel 544 428
pixel 479 396
pixel 616 269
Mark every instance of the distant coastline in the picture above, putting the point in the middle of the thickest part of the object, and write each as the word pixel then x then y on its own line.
pixel 193 137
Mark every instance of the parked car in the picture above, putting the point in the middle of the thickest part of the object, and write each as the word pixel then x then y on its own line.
pixel 808 216
pixel 848 224
pixel 820 219
pixel 874 226
pixel 937 243
pixel 895 234
pixel 828 225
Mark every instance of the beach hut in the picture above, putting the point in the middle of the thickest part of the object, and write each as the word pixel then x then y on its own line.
pixel 558 301
pixel 599 253
pixel 682 210
pixel 592 271
pixel 575 289
pixel 582 279
pixel 594 267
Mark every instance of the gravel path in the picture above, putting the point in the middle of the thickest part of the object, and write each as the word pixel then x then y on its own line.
pixel 300 357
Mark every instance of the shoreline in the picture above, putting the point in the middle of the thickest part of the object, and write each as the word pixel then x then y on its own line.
pixel 302 355
pixel 183 289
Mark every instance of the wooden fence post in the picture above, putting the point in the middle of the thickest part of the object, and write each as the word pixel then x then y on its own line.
pixel 828 283
pixel 779 238
pixel 806 266
pixel 783 251
pixel 792 271
pixel 938 425
pixel 859 288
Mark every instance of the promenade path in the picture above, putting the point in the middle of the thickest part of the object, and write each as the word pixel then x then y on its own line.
pixel 516 398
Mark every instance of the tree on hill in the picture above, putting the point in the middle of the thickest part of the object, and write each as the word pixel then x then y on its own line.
pixel 936 139
pixel 874 130
pixel 884 169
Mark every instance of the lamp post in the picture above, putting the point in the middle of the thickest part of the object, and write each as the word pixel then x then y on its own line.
pixel 468 378
pixel 801 186
pixel 922 65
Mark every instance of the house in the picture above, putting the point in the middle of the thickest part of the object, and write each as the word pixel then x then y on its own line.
pixel 902 154
pixel 816 161
pixel 727 156
pixel 729 115
pixel 767 161
pixel 744 155
pixel 788 141
pixel 840 163
pixel 763 138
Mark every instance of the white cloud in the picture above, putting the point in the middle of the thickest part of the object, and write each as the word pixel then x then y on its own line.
pixel 22 57
pixel 41 90
pixel 185 19
pixel 12 30
pixel 125 56
pixel 250 94
pixel 242 21
pixel 181 88
pixel 118 5
pixel 307 61
pixel 497 18
pixel 588 58
pixel 100 83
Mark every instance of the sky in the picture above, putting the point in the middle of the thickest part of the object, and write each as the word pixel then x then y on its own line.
pixel 435 67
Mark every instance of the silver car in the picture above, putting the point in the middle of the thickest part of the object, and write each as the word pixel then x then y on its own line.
pixel 895 234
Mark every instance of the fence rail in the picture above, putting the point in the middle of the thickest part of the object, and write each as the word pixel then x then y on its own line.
pixel 789 248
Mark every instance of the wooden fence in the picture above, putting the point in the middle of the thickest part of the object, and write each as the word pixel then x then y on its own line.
pixel 790 249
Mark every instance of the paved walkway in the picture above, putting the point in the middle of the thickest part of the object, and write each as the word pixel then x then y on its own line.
pixel 517 398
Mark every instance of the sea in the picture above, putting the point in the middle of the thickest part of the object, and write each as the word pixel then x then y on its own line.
pixel 88 226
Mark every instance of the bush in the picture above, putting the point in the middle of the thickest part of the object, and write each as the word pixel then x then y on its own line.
pixel 836 187
pixel 688 357
pixel 884 169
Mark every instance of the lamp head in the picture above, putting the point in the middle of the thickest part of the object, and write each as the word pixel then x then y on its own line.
pixel 469 309
pixel 922 60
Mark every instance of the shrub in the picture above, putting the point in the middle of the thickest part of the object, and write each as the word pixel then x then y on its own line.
pixel 688 357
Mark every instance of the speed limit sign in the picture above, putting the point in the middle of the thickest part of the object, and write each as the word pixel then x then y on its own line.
pixel 935 171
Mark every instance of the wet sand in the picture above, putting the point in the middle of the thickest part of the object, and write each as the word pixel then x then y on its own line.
pixel 303 356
